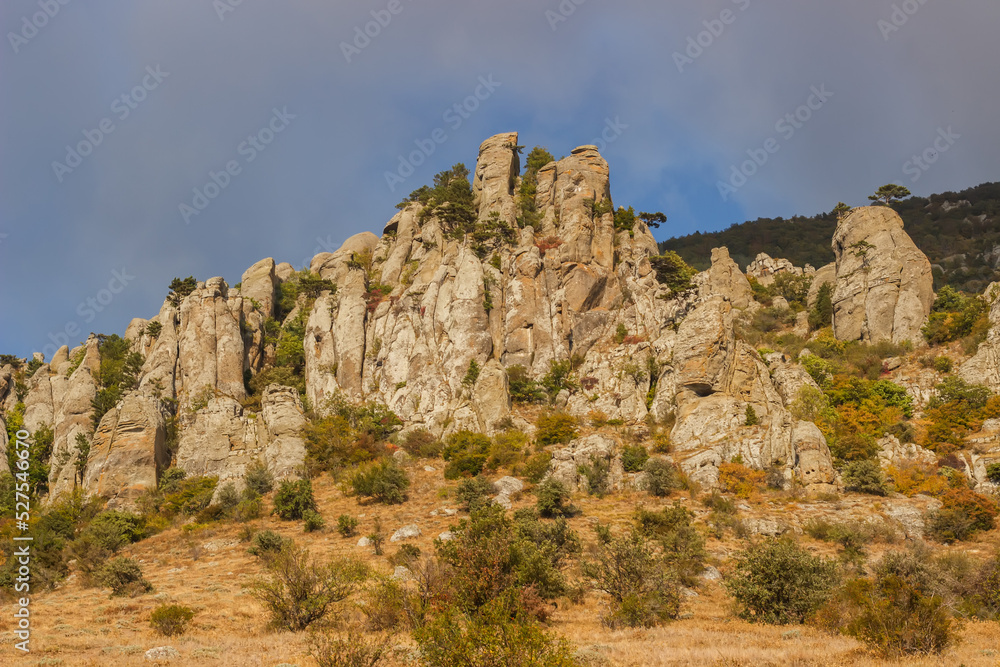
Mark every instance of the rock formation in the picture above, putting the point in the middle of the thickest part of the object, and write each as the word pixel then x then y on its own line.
pixel 884 288
pixel 984 367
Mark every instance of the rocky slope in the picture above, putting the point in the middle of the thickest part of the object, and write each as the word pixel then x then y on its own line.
pixel 414 309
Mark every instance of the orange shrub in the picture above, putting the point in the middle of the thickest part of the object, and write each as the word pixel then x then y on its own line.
pixel 912 477
pixel 739 479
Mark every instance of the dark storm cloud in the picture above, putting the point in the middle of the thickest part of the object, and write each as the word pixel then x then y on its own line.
pixel 566 71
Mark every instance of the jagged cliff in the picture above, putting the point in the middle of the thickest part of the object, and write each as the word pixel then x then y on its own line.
pixel 413 310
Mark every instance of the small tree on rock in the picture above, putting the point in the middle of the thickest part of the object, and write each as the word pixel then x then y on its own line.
pixel 887 194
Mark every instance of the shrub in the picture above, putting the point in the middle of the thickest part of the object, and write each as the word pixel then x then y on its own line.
pixel 247 510
pixel 349 649
pixel 661 477
pixel 474 493
pixel 673 272
pixel 124 577
pixel 896 612
pixel 466 453
pixel 953 316
pixel 420 442
pixel 537 466
pixel 267 543
pixel 523 388
pixel 347 525
pixel 597 475
pixel 553 499
pixel 775 581
pixel 501 634
pixel 491 554
pixel 300 591
pixel 383 481
pixel 751 418
pixel 643 588
pixel 963 513
pixel 683 545
pixel 229 497
pixel 192 495
pixel 507 450
pixel 294 499
pixel 739 479
pixel 258 480
pixel 312 521
pixel 171 620
pixel 555 428
pixel 993 472
pixel 170 480
pixel 987 589
pixel 634 458
pixel 821 314
pixel 864 477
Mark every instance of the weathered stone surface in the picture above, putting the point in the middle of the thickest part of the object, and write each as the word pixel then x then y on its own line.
pixel 789 379
pixel 162 654
pixel 496 173
pixel 260 283
pixel 984 367
pixel 823 275
pixel 222 441
pixel 128 451
pixel 884 288
pixel 725 279
pixel 894 453
pixel 210 344
pixel 764 268
pixel 4 467
pixel 406 533
pixel 584 451
pixel 705 344
pixel 72 416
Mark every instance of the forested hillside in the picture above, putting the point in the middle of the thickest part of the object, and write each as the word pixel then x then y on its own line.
pixel 959 233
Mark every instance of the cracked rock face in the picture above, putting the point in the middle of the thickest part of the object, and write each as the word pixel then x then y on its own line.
pixel 884 287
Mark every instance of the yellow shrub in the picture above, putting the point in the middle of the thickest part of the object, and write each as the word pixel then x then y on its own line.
pixel 911 478
pixel 739 479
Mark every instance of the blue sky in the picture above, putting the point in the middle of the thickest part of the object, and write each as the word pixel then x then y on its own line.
pixel 161 95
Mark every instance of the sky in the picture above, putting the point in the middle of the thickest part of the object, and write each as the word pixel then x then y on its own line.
pixel 143 141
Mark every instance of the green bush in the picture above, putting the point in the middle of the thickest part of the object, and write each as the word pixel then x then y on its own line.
pixel 865 476
pixel 267 543
pixel 422 443
pixel 751 418
pixel 537 466
pixel 775 581
pixel 466 453
pixel 555 428
pixel 683 546
pixel 821 314
pixel 953 316
pixel 258 480
pixel 993 472
pixel 294 499
pixel 170 480
pixel 301 591
pixel 171 620
pixel 347 525
pixel 634 458
pixel 553 499
pixel 522 387
pixel 896 612
pixel 229 497
pixel 192 495
pixel 500 634
pixel 124 577
pixel 962 514
pixel 474 492
pixel 383 481
pixel 247 510
pixel 507 450
pixel 661 477
pixel 597 474
pixel 673 271
pixel 312 521
pixel 643 587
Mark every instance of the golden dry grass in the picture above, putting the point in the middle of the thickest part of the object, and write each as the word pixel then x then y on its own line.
pixel 207 570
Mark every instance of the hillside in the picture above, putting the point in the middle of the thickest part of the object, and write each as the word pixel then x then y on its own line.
pixel 959 233
pixel 509 431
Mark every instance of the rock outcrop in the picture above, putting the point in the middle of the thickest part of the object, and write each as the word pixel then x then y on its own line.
pixel 128 451
pixel 884 287
pixel 587 451
pixel 764 269
pixel 984 367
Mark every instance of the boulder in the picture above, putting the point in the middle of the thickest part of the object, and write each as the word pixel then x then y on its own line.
pixel 725 279
pixel 894 453
pixel 984 366
pixel 406 533
pixel 497 169
pixel 884 288
pixel 764 268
